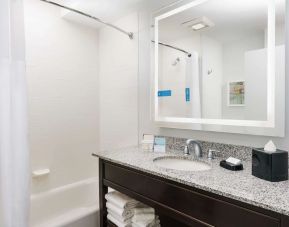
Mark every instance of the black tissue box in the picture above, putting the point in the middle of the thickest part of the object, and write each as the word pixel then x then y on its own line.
pixel 270 166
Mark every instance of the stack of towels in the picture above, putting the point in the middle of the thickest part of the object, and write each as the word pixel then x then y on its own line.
pixel 144 216
pixel 120 208
pixel 124 211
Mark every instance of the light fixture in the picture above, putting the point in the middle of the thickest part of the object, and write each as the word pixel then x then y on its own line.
pixel 198 23
pixel 198 26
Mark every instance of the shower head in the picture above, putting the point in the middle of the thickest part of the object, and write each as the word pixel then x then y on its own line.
pixel 176 61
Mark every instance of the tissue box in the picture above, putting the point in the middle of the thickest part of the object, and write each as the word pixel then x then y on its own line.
pixel 270 166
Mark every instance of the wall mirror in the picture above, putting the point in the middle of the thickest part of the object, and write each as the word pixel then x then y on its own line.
pixel 219 65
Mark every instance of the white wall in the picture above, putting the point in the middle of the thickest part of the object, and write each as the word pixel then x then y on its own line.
pixel 256 85
pixel 212 59
pixel 62 76
pixel 234 70
pixel 146 124
pixel 118 62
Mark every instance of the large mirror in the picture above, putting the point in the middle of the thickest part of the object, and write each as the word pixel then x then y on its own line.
pixel 220 66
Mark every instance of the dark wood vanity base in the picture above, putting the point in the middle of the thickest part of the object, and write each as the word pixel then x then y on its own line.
pixel 181 205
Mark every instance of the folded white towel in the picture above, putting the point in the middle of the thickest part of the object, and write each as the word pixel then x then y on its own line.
pixel 117 222
pixel 143 217
pixel 119 211
pixel 118 217
pixel 147 223
pixel 121 200
pixel 154 225
pixel 143 210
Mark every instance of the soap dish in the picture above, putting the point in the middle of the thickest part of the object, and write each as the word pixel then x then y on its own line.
pixel 231 167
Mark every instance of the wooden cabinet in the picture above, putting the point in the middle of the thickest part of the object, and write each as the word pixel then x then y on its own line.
pixel 178 203
pixel 285 221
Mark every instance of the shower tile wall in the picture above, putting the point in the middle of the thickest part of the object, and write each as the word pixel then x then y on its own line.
pixel 62 76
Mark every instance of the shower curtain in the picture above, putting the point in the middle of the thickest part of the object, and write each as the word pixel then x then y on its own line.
pixel 14 168
pixel 193 107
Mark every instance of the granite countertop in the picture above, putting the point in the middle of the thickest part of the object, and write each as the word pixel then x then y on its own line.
pixel 240 185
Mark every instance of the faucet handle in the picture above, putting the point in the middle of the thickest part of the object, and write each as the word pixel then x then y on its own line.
pixel 212 153
pixel 186 150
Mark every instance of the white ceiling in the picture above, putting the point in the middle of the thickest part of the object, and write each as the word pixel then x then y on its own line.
pixel 243 13
pixel 233 19
pixel 107 10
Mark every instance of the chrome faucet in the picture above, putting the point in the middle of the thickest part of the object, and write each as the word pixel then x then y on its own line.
pixel 197 148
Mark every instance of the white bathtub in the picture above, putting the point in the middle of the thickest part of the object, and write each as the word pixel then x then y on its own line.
pixel 73 205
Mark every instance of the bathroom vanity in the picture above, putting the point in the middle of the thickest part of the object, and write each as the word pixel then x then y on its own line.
pixel 214 197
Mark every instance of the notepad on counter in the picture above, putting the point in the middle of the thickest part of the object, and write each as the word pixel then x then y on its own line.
pixel 160 144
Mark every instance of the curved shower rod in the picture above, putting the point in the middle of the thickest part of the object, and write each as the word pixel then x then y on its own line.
pixel 173 47
pixel 129 34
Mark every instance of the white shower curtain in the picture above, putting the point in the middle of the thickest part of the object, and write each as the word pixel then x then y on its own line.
pixel 14 158
pixel 193 108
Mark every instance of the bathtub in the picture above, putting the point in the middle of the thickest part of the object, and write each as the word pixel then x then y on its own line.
pixel 72 205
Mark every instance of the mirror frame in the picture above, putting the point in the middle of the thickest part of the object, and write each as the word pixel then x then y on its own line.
pixel 230 125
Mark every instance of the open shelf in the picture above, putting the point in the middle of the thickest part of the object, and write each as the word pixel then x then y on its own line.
pixel 110 224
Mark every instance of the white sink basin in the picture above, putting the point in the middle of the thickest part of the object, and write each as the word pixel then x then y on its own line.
pixel 181 164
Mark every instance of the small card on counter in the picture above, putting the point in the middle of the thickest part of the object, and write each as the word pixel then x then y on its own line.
pixel 148 137
pixel 147 143
pixel 160 144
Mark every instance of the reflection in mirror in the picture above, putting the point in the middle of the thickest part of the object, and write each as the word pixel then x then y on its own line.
pixel 212 61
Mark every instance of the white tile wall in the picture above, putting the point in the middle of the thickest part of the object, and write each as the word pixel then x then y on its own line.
pixel 62 74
